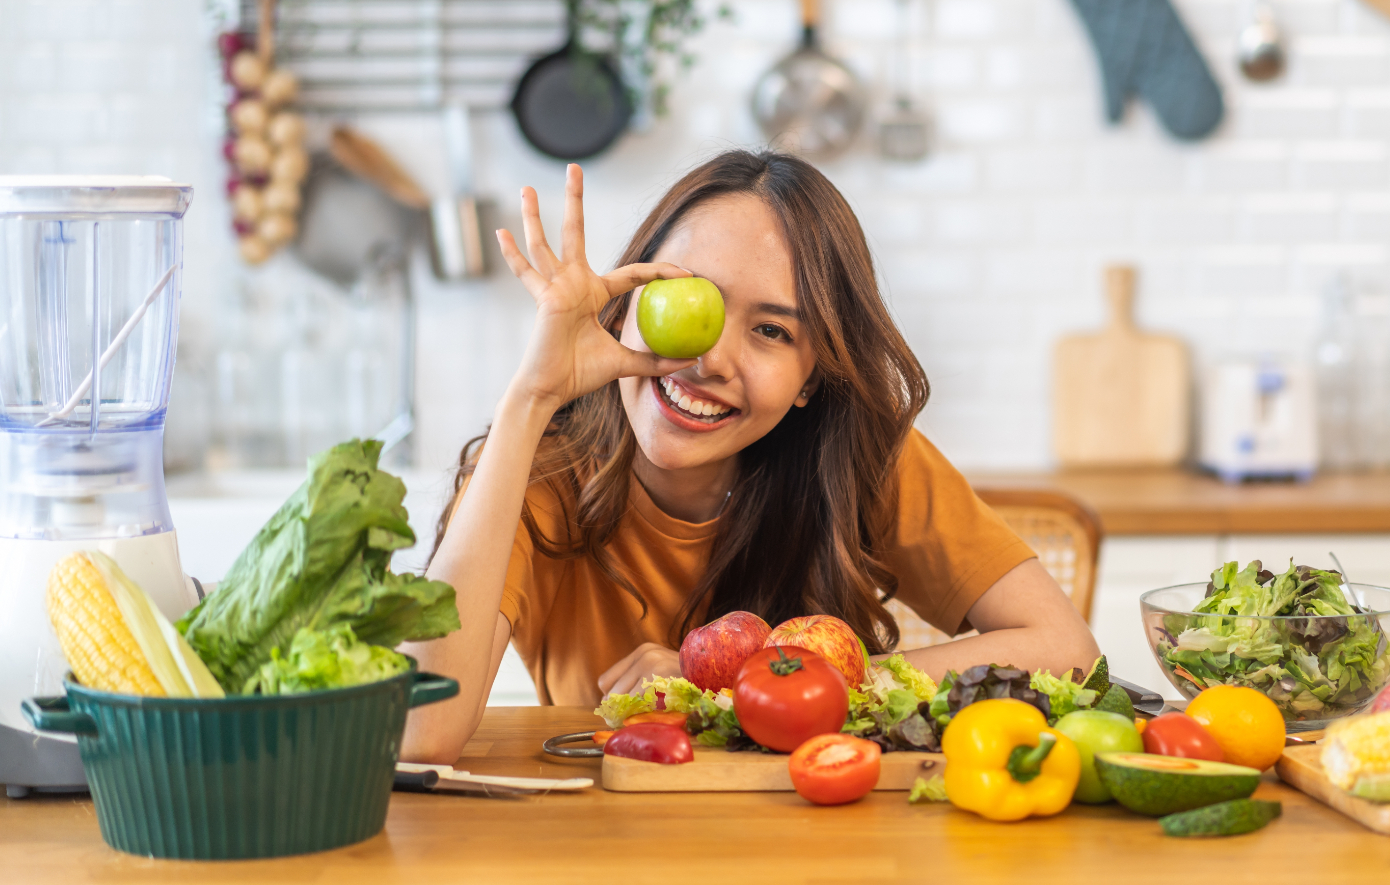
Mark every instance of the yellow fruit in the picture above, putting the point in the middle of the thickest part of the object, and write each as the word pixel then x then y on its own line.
pixel 1246 724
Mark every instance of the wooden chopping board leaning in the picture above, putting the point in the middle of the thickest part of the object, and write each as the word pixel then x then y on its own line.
pixel 1120 396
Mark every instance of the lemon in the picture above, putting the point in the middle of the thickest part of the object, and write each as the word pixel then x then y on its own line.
pixel 1247 725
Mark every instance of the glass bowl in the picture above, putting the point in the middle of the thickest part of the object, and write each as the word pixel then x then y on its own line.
pixel 1315 668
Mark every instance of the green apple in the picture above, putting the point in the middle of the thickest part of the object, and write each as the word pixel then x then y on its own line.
pixel 681 318
pixel 1096 731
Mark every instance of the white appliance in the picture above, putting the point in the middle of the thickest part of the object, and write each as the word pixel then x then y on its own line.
pixel 1259 420
pixel 90 271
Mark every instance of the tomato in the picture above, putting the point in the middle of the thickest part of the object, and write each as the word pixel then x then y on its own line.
pixel 650 742
pixel 665 717
pixel 785 695
pixel 832 769
pixel 1178 734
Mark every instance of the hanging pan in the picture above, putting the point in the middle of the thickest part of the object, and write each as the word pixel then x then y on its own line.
pixel 570 104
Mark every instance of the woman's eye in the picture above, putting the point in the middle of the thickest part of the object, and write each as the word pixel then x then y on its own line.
pixel 768 330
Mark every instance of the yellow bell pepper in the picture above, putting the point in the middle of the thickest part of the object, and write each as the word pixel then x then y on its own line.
pixel 1004 763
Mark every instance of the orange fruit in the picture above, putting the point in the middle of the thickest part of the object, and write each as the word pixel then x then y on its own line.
pixel 1247 725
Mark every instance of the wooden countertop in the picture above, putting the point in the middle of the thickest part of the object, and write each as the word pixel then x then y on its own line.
pixel 1178 502
pixel 602 837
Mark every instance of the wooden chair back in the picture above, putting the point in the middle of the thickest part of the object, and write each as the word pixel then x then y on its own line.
pixel 1063 531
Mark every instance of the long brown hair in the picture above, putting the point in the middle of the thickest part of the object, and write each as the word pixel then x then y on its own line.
pixel 815 502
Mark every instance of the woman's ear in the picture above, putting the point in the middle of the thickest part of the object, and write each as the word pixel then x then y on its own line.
pixel 808 389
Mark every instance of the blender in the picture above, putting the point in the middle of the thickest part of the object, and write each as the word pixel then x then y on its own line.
pixel 90 270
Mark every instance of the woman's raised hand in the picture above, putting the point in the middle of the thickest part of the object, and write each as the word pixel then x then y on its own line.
pixel 570 353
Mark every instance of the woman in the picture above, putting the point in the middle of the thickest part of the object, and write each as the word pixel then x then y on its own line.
pixel 622 499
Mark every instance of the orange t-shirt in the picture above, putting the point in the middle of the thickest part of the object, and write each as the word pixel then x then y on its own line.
pixel 570 622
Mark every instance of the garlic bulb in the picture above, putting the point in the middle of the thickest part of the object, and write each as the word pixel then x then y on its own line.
pixel 282 196
pixel 290 165
pixel 286 129
pixel 247 203
pixel 249 116
pixel 248 71
pixel 252 154
pixel 277 228
pixel 280 87
pixel 254 250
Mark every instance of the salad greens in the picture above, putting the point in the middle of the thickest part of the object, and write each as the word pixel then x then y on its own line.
pixel 319 659
pixel 1324 655
pixel 320 562
pixel 928 789
pixel 888 708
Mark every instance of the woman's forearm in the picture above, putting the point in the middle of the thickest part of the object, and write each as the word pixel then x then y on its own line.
pixel 1029 648
pixel 473 558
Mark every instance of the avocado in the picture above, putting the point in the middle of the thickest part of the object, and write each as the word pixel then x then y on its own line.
pixel 1222 819
pixel 1159 785
pixel 1098 680
pixel 1116 700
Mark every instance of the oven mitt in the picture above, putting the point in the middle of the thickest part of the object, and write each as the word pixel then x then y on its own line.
pixel 1144 48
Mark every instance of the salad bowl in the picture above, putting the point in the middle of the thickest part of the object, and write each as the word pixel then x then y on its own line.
pixel 1315 667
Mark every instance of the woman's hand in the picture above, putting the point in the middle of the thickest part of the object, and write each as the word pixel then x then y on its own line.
pixel 569 353
pixel 648 659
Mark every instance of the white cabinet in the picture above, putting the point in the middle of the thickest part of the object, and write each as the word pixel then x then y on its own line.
pixel 1130 565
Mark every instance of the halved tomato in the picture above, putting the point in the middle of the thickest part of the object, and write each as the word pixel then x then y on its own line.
pixel 832 769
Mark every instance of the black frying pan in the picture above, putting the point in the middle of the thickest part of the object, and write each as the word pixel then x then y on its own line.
pixel 570 104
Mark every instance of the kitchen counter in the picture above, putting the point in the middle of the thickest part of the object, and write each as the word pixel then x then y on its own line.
pixel 1180 502
pixel 602 837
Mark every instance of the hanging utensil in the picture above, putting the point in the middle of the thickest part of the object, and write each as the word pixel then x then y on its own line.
pixel 809 103
pixel 1260 46
pixel 368 160
pixel 457 251
pixel 570 104
pixel 904 135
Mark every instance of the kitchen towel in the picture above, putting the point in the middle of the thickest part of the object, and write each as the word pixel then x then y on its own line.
pixel 1145 49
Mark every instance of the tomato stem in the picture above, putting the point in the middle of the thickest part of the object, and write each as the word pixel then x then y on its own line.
pixel 784 666
pixel 1025 762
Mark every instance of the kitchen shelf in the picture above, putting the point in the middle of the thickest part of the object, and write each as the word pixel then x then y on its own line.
pixel 1181 502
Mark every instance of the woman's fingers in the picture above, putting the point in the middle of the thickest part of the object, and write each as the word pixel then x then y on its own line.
pixel 520 267
pixel 627 278
pixel 572 234
pixel 542 258
pixel 636 362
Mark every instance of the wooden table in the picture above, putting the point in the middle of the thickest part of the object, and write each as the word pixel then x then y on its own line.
pixel 614 838
pixel 1180 502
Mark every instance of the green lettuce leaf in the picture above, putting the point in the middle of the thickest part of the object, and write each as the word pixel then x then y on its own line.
pixel 322 659
pixel 1064 695
pixel 907 676
pixel 320 562
pixel 616 707
pixel 932 789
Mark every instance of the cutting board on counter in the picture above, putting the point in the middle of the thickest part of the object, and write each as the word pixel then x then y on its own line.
pixel 1301 768
pixel 1120 396
pixel 719 771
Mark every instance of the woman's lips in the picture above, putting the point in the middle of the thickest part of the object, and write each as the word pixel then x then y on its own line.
pixel 669 408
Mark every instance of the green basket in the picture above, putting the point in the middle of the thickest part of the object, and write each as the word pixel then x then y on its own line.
pixel 240 777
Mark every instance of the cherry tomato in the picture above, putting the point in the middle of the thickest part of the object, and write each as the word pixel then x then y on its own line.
pixel 832 769
pixel 650 742
pixel 786 695
pixel 665 717
pixel 1178 734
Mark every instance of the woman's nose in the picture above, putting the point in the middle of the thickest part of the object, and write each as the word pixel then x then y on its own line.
pixel 717 362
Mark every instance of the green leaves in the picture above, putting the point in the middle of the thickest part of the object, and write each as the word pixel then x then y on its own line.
pixel 320 562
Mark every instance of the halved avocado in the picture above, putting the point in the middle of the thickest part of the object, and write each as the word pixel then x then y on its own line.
pixel 1222 819
pixel 1098 680
pixel 1157 785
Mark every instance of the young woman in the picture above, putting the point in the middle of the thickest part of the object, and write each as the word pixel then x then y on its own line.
pixel 620 499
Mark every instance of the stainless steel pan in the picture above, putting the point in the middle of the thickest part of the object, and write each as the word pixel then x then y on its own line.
pixel 809 103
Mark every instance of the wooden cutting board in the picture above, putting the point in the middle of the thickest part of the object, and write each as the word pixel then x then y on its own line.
pixel 1301 768
pixel 1120 396
pixel 719 771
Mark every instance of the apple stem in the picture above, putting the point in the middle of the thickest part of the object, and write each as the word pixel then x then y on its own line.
pixel 784 666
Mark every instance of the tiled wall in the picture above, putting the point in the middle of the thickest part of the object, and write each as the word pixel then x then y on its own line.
pixel 988 250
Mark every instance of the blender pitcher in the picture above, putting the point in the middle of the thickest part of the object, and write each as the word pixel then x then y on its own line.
pixel 90 270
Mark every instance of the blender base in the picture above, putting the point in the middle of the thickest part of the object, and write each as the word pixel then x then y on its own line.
pixel 33 763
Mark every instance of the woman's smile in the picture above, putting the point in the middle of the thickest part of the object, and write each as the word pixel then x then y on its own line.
pixel 690 409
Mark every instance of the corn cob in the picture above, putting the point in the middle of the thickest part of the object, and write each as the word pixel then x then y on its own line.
pixel 1356 755
pixel 97 642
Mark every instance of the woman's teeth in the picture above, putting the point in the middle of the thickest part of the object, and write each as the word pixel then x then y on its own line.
pixel 692 406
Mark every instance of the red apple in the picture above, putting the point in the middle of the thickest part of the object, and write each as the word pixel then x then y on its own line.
pixel 712 655
pixel 827 636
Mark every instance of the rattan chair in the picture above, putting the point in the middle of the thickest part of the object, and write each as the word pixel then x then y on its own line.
pixel 1064 532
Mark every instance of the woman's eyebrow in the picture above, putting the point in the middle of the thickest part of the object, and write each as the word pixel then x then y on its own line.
pixel 780 310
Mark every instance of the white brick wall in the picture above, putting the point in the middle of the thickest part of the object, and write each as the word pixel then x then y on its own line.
pixel 988 250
